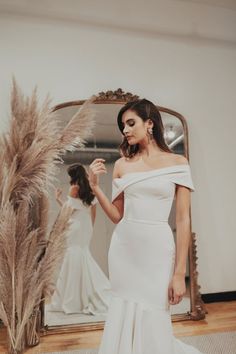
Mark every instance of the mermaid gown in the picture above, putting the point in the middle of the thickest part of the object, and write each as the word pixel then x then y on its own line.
pixel 141 263
pixel 82 287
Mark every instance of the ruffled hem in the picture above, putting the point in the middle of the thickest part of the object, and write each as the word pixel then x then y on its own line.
pixel 133 328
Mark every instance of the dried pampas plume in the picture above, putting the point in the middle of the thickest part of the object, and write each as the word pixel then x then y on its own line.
pixel 82 124
pixel 29 153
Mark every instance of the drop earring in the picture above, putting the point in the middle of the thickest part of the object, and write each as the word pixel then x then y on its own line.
pixel 150 131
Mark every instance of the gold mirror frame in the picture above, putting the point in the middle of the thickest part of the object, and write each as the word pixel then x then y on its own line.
pixel 197 310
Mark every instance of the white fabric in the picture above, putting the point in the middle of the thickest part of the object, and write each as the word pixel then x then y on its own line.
pixel 82 287
pixel 141 262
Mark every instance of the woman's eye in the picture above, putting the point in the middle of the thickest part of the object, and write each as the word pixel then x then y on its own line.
pixel 131 124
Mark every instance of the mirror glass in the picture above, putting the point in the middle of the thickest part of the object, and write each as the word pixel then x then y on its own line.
pixel 84 275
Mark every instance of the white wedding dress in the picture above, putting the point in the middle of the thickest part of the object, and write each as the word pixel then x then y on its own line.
pixel 82 287
pixel 141 263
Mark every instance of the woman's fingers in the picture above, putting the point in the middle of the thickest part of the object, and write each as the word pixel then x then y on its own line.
pixel 177 299
pixel 171 294
pixel 179 289
pixel 174 298
pixel 97 166
pixel 96 162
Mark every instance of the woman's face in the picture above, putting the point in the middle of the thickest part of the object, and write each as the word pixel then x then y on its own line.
pixel 134 128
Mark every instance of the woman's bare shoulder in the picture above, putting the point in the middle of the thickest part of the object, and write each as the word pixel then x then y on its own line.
pixel 117 167
pixel 181 160
pixel 120 166
pixel 118 163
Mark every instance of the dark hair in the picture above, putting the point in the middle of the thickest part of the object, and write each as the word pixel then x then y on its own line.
pixel 145 110
pixel 78 176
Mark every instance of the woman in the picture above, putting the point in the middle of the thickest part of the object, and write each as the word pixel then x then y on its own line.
pixel 147 270
pixel 82 287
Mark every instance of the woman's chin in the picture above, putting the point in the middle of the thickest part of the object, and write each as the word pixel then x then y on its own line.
pixel 131 142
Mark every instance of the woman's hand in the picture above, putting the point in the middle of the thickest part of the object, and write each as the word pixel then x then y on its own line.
pixel 58 194
pixel 96 168
pixel 177 289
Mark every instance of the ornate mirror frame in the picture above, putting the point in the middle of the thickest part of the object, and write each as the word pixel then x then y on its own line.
pixel 197 310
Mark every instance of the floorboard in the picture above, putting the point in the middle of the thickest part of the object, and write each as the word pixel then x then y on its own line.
pixel 221 317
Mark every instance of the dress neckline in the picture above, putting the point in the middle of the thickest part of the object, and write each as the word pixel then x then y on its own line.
pixel 153 170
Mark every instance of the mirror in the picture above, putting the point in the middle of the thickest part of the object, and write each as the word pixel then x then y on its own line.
pixel 88 275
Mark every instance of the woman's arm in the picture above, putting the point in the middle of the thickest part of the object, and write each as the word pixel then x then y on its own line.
pixel 93 213
pixel 177 287
pixel 113 210
pixel 182 229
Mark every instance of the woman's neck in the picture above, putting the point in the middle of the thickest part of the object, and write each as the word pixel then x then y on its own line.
pixel 149 150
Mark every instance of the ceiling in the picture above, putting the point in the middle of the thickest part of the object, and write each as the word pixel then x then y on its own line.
pixel 209 19
pixel 227 4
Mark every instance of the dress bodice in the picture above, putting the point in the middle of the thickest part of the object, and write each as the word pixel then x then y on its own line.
pixel 81 228
pixel 77 204
pixel 149 195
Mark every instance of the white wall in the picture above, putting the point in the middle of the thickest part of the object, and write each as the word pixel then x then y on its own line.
pixel 194 78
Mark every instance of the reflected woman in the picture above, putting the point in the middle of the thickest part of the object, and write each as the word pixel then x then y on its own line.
pixel 82 287
pixel 146 269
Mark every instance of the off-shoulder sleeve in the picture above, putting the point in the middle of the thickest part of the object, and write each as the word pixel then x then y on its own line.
pixel 118 185
pixel 115 190
pixel 184 178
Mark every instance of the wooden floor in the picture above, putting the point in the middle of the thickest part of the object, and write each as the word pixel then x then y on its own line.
pixel 221 317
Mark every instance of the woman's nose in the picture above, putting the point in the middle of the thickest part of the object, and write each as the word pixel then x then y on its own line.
pixel 125 130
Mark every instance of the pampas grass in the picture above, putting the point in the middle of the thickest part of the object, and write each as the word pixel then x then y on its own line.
pixel 29 153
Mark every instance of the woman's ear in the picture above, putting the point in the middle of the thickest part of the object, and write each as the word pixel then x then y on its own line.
pixel 150 123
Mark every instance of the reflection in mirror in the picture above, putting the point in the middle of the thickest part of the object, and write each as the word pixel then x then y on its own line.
pixel 82 287
pixel 82 291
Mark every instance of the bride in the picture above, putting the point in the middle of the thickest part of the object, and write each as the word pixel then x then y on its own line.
pixel 82 287
pixel 146 268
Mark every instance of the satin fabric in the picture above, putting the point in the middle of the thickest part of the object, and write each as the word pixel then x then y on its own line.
pixel 82 287
pixel 141 263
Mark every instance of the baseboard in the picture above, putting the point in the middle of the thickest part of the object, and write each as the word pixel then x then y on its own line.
pixel 217 297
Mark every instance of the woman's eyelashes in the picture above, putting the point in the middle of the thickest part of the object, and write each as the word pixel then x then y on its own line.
pixel 130 123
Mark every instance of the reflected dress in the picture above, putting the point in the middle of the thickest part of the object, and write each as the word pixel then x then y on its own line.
pixel 82 287
pixel 141 263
